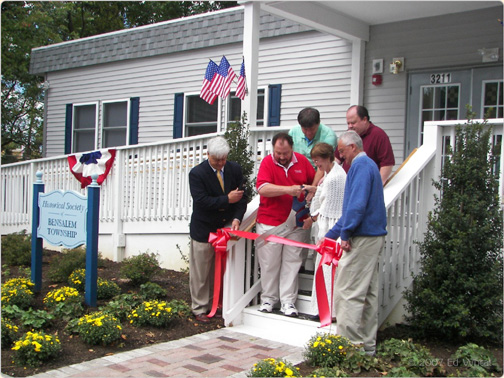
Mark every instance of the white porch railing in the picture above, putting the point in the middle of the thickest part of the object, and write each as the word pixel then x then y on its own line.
pixel 147 192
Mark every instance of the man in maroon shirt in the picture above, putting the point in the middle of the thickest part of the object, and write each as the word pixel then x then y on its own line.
pixel 375 141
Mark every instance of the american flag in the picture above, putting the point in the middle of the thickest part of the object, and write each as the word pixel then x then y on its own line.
pixel 240 87
pixel 221 83
pixel 206 93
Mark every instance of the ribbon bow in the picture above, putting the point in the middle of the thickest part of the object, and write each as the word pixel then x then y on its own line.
pixel 219 241
pixel 90 158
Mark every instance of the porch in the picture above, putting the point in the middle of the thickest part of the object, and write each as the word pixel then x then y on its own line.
pixel 146 205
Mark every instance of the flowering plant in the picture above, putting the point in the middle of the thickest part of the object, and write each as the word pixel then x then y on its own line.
pixel 35 348
pixel 65 301
pixel 99 328
pixel 77 279
pixel 269 367
pixel 107 289
pixel 17 291
pixel 327 350
pixel 9 332
pixel 155 313
pixel 328 372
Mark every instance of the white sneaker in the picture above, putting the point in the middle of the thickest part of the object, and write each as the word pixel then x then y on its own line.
pixel 266 307
pixel 289 309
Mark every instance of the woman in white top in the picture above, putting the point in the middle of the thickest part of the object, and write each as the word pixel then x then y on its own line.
pixel 326 207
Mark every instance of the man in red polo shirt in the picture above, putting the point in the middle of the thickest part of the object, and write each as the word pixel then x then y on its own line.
pixel 280 178
pixel 375 141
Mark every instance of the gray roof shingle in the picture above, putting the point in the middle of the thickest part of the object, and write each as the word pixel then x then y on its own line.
pixel 212 29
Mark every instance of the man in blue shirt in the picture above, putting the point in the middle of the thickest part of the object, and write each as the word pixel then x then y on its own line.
pixel 362 228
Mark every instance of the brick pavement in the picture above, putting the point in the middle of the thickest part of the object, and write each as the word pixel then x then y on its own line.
pixel 219 353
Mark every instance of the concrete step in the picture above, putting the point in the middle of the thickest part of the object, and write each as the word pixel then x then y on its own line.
pixel 281 328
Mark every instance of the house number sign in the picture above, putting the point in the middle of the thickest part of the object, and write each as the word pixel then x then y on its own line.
pixel 440 78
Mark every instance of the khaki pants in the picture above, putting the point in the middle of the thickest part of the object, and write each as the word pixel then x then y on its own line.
pixel 201 276
pixel 280 265
pixel 356 291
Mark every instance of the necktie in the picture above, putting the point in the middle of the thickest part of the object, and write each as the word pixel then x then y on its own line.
pixel 219 177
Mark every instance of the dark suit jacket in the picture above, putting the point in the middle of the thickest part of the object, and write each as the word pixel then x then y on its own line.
pixel 211 208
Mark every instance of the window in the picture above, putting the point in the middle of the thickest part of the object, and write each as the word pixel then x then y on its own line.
pixel 84 128
pixel 115 124
pixel 492 99
pixel 201 117
pixel 118 127
pixel 235 112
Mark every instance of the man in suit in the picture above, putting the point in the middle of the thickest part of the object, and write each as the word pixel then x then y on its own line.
pixel 218 198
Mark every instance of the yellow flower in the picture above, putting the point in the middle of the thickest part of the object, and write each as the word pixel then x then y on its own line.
pixel 340 347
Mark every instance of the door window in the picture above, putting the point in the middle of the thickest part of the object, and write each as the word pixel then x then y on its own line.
pixel 492 99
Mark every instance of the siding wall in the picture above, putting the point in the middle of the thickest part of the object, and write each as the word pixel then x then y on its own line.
pixel 313 68
pixel 436 42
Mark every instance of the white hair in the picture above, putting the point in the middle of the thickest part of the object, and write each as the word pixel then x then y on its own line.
pixel 218 147
pixel 351 137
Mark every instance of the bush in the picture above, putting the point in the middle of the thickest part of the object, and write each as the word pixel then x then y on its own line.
pixel 154 313
pixel 180 308
pixel 327 350
pixel 458 293
pixel 140 268
pixel 62 266
pixel 36 319
pixel 77 279
pixel 35 348
pixel 122 305
pixel 270 367
pixel 9 333
pixel 99 328
pixel 107 289
pixel 17 292
pixel 65 301
pixel 329 372
pixel 151 290
pixel 476 357
pixel 16 249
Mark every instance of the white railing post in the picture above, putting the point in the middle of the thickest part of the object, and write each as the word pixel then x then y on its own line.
pixel 119 238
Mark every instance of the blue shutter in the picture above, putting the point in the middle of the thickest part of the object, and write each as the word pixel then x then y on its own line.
pixel 134 116
pixel 178 115
pixel 275 96
pixel 68 129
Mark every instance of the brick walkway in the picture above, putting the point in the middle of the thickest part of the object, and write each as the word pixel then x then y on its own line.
pixel 219 353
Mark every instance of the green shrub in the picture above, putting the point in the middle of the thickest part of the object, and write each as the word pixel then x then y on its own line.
pixel 270 367
pixel 36 319
pixel 458 293
pixel 17 291
pixel 99 328
pixel 34 348
pixel 412 357
pixel 122 305
pixel 151 290
pixel 9 333
pixel 154 313
pixel 327 350
pixel 16 249
pixel 475 356
pixel 106 289
pixel 62 266
pixel 180 308
pixel 140 268
pixel 65 302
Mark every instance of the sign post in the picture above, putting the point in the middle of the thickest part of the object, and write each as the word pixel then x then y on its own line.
pixel 36 242
pixel 92 224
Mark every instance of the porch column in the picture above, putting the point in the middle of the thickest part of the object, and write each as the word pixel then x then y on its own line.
pixel 251 26
pixel 357 79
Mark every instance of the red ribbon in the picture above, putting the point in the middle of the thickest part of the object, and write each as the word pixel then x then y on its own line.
pixel 329 249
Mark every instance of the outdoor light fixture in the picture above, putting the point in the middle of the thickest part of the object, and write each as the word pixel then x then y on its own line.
pixel 396 66
pixel 489 55
pixel 45 85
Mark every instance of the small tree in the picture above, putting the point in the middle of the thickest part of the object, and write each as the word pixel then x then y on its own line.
pixel 237 136
pixel 458 293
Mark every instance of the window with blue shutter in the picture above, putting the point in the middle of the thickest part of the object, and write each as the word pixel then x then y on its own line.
pixel 134 117
pixel 68 129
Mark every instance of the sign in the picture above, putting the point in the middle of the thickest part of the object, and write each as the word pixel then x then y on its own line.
pixel 62 218
pixel 440 78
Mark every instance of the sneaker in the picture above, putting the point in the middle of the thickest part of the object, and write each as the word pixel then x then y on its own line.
pixel 266 307
pixel 289 309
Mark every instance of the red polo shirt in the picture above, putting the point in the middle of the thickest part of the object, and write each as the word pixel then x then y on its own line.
pixel 274 211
